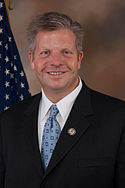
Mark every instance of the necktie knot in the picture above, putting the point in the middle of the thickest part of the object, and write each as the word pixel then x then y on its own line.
pixel 53 110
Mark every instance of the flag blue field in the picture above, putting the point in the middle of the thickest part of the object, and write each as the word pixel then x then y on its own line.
pixel 13 83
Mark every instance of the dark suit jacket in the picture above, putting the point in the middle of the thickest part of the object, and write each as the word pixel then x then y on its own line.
pixel 92 158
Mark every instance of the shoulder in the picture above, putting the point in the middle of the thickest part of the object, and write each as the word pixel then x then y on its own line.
pixel 103 101
pixel 105 106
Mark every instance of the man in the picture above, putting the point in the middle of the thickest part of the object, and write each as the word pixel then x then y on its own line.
pixel 87 147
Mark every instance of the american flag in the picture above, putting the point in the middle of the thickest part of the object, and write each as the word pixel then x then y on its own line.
pixel 13 83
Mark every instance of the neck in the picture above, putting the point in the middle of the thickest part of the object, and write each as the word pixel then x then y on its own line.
pixel 56 95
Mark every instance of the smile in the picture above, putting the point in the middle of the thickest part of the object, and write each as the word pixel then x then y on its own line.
pixel 55 73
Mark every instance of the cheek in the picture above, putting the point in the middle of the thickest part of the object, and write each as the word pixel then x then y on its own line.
pixel 74 65
pixel 38 66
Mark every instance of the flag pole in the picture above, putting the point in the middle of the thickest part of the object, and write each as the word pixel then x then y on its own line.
pixel 5 1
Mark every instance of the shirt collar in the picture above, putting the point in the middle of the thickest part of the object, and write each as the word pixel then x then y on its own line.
pixel 45 105
pixel 64 105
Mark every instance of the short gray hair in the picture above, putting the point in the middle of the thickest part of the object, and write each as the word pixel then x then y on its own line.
pixel 53 21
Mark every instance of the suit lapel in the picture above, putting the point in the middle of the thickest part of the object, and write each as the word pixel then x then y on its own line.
pixel 78 119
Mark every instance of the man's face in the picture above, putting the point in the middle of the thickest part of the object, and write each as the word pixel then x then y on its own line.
pixel 56 61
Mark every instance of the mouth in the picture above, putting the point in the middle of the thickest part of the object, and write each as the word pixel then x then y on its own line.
pixel 55 73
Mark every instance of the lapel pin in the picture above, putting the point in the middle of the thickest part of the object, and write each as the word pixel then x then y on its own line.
pixel 71 131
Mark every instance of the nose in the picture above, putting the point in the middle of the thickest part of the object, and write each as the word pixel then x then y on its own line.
pixel 56 59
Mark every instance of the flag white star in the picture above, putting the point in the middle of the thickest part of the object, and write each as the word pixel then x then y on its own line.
pixel 6 46
pixel 22 73
pixel 14 56
pixel 10 38
pixel 6 108
pixel 1 30
pixel 6 59
pixel 7 97
pixel 1 18
pixel 21 97
pixel 11 64
pixel 22 85
pixel 7 84
pixel 1 5
pixel 7 71
pixel 15 68
pixel 11 75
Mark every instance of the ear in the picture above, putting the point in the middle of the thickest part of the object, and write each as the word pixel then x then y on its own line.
pixel 80 57
pixel 31 58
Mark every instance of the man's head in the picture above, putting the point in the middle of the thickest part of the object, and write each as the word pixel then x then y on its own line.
pixel 53 21
pixel 55 53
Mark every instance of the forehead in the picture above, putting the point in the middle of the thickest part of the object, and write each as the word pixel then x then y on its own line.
pixel 55 37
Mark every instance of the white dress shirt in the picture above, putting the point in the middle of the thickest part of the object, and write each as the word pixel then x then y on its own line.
pixel 64 106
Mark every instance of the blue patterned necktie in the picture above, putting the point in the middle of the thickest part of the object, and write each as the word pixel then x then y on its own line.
pixel 51 134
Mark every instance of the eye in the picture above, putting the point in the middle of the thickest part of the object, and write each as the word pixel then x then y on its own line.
pixel 45 53
pixel 67 52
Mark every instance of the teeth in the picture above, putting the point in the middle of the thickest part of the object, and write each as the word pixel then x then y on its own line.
pixel 55 73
